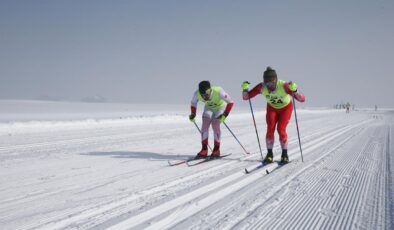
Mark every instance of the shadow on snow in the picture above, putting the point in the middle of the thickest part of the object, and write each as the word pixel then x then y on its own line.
pixel 137 155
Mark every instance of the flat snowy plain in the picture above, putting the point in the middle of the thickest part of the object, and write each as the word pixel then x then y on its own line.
pixel 104 166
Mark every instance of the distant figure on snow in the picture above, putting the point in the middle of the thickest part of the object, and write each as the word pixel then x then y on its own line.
pixel 218 105
pixel 347 107
pixel 279 108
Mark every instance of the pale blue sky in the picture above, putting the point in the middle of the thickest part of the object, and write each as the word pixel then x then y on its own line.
pixel 157 51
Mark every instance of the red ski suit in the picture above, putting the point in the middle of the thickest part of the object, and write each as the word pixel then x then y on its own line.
pixel 276 118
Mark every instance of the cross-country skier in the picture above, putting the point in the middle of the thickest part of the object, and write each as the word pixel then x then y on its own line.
pixel 218 105
pixel 279 108
pixel 348 107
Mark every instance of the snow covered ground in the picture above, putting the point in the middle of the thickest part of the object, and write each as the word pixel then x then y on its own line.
pixel 104 166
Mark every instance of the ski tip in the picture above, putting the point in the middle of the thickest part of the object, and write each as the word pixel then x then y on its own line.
pixel 246 171
pixel 267 171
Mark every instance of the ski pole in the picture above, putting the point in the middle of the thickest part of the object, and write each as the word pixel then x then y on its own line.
pixel 255 127
pixel 199 130
pixel 235 137
pixel 298 131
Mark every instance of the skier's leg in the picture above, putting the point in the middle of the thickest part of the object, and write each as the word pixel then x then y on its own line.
pixel 216 132
pixel 284 118
pixel 283 121
pixel 271 119
pixel 206 122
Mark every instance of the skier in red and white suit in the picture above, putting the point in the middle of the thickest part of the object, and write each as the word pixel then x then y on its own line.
pixel 279 108
pixel 218 105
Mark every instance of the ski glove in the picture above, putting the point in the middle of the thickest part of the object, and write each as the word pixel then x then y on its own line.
pixel 245 85
pixel 293 86
pixel 192 116
pixel 222 117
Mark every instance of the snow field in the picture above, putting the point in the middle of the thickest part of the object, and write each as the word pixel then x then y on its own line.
pixel 114 175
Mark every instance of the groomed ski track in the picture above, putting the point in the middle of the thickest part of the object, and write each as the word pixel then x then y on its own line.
pixel 345 181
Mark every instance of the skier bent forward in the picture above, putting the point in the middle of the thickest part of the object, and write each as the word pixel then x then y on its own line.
pixel 218 105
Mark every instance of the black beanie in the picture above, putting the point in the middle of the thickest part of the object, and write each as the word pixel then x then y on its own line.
pixel 270 74
pixel 203 86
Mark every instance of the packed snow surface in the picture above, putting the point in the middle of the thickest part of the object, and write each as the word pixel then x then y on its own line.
pixel 105 166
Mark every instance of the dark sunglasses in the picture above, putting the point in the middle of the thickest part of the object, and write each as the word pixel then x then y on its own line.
pixel 207 93
pixel 270 83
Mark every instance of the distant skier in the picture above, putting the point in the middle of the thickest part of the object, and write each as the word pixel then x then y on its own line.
pixel 347 107
pixel 279 108
pixel 218 105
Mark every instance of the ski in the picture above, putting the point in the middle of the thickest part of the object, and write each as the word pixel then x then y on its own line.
pixel 262 165
pixel 259 166
pixel 280 164
pixel 180 162
pixel 200 161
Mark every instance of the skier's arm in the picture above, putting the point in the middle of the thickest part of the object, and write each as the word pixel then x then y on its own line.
pixel 297 95
pixel 193 107
pixel 252 93
pixel 223 95
pixel 228 107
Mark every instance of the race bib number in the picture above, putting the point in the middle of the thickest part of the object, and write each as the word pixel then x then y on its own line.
pixel 274 100
pixel 213 105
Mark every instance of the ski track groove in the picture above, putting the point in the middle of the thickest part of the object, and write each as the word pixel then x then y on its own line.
pixel 86 213
pixel 306 207
pixel 380 184
pixel 317 140
pixel 150 215
pixel 347 128
pixel 299 202
pixel 92 184
pixel 121 206
pixel 353 198
pixel 389 206
pixel 156 189
pixel 349 204
pixel 278 188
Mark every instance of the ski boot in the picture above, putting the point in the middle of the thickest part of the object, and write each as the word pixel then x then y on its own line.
pixel 203 153
pixel 285 158
pixel 215 152
pixel 269 157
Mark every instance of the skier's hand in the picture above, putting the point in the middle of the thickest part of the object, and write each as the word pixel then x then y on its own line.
pixel 245 85
pixel 192 116
pixel 222 117
pixel 293 86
